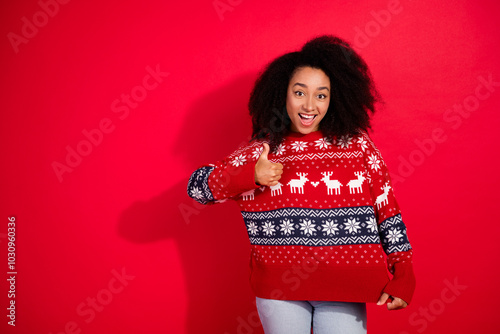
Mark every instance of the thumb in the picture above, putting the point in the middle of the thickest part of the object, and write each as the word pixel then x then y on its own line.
pixel 265 152
pixel 383 299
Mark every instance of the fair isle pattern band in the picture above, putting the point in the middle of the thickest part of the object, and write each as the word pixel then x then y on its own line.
pixel 313 227
pixel 393 234
pixel 302 212
pixel 198 185
pixel 319 156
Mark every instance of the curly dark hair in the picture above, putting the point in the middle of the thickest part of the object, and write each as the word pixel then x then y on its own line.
pixel 353 93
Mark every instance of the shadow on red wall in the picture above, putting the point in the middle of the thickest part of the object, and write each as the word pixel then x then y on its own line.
pixel 211 239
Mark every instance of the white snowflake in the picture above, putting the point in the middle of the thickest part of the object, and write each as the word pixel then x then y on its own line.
pixel 252 228
pixel 374 162
pixel 330 227
pixel 268 228
pixel 307 226
pixel 280 149
pixel 322 143
pixel 352 225
pixel 257 152
pixel 196 193
pixel 287 226
pixel 393 236
pixel 371 224
pixel 344 141
pixel 239 160
pixel 299 145
pixel 362 143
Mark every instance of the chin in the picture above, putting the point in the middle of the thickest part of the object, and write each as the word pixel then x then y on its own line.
pixel 305 131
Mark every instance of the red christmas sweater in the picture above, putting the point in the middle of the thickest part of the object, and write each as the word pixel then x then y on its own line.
pixel 328 230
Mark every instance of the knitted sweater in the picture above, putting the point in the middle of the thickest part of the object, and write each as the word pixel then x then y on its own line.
pixel 328 230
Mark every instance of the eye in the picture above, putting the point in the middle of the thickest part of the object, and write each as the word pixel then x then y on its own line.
pixel 299 93
pixel 322 96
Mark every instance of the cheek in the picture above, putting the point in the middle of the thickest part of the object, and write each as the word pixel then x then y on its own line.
pixel 291 105
pixel 324 107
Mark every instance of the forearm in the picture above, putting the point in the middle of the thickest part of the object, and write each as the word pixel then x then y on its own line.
pixel 212 183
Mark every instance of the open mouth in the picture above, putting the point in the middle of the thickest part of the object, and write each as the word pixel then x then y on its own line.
pixel 307 120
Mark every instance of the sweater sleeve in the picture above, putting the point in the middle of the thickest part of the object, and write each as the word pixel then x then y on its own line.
pixel 227 178
pixel 392 230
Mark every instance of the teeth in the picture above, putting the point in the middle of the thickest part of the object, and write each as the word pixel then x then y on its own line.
pixel 307 116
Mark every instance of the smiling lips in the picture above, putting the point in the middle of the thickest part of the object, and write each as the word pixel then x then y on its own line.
pixel 307 120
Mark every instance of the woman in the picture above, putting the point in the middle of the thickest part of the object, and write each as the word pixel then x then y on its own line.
pixel 315 195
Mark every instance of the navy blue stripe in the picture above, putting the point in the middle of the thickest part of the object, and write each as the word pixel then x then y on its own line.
pixel 198 185
pixel 301 226
pixel 393 235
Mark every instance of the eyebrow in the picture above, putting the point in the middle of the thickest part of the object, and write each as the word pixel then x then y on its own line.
pixel 305 86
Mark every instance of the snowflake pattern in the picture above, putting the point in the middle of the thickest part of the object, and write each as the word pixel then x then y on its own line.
pixel 280 149
pixel 299 145
pixel 346 226
pixel 257 152
pixel 371 224
pixel 252 228
pixel 286 226
pixel 268 228
pixel 239 160
pixel 196 193
pixel 307 227
pixel 344 141
pixel 322 143
pixel 374 162
pixel 363 144
pixel 330 227
pixel 394 235
pixel 352 226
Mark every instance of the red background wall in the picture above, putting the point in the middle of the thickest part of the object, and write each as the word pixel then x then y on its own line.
pixel 107 239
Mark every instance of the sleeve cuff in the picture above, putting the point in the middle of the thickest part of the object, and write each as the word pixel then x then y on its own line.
pixel 242 178
pixel 402 284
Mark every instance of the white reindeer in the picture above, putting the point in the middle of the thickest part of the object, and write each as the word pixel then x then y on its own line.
pixel 355 185
pixel 276 189
pixel 298 183
pixel 382 199
pixel 331 184
pixel 248 195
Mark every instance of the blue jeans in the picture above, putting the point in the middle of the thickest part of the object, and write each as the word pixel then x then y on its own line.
pixel 298 317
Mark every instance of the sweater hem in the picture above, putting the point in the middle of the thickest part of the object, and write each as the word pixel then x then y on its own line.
pixel 343 284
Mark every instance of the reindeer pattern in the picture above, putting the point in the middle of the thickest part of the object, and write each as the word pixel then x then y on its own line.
pixel 355 185
pixel 276 190
pixel 248 195
pixel 298 184
pixel 329 176
pixel 383 199
pixel 333 186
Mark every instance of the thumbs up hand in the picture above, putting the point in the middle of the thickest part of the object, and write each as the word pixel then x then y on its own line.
pixel 267 173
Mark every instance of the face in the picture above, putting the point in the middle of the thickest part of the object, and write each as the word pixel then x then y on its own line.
pixel 307 99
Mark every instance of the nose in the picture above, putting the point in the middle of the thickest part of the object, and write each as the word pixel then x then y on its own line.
pixel 309 105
